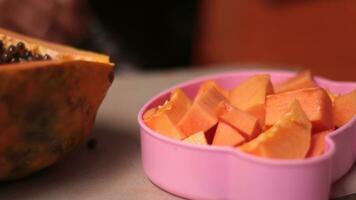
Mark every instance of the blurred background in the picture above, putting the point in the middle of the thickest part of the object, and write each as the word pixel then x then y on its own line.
pixel 161 35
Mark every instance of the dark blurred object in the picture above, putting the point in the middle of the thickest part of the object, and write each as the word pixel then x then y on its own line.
pixel 347 197
pixel 151 34
pixel 64 21
pixel 314 34
pixel 92 143
pixel 148 34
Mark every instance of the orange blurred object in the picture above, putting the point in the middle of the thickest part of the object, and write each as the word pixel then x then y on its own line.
pixel 313 34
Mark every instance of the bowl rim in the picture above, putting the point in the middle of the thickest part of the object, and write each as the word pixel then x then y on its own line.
pixel 234 151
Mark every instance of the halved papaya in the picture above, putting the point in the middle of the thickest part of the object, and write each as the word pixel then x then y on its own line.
pixel 50 95
pixel 202 114
pixel 289 138
pixel 303 79
pixel 251 95
pixel 314 101
pixel 344 108
pixel 164 118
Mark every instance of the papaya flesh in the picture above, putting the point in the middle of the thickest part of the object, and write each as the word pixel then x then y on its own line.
pixel 47 107
pixel 251 94
pixel 303 79
pixel 201 116
pixel 226 135
pixel 225 92
pixel 315 102
pixel 197 138
pixel 344 108
pixel 317 145
pixel 164 118
pixel 244 122
pixel 289 138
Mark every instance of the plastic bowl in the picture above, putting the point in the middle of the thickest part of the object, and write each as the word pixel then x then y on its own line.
pixel 210 172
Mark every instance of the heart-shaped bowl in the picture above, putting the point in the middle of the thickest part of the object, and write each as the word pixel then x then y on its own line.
pixel 210 172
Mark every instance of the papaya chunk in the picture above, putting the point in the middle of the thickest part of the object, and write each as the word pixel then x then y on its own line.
pixel 202 114
pixel 289 138
pixel 317 145
pixel 164 118
pixel 314 101
pixel 197 138
pixel 251 95
pixel 332 95
pixel 226 135
pixel 344 108
pixel 244 122
pixel 163 125
pixel 303 79
pixel 223 91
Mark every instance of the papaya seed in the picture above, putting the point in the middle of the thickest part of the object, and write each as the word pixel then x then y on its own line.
pixel 15 53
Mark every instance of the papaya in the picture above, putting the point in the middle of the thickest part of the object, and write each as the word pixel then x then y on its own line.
pixel 317 145
pixel 303 79
pixel 332 95
pixel 201 116
pixel 244 122
pixel 251 94
pixel 225 92
pixel 315 102
pixel 197 138
pixel 226 135
pixel 164 118
pixel 49 97
pixel 344 108
pixel 289 138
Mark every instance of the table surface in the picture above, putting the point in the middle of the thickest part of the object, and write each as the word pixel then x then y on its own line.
pixel 113 169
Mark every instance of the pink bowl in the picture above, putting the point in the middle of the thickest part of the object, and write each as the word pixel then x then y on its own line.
pixel 209 172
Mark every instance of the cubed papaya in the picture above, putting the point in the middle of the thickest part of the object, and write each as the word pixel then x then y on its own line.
pixel 197 138
pixel 332 95
pixel 289 138
pixel 164 118
pixel 225 92
pixel 226 135
pixel 303 79
pixel 202 114
pixel 344 108
pixel 317 145
pixel 250 95
pixel 247 124
pixel 315 102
